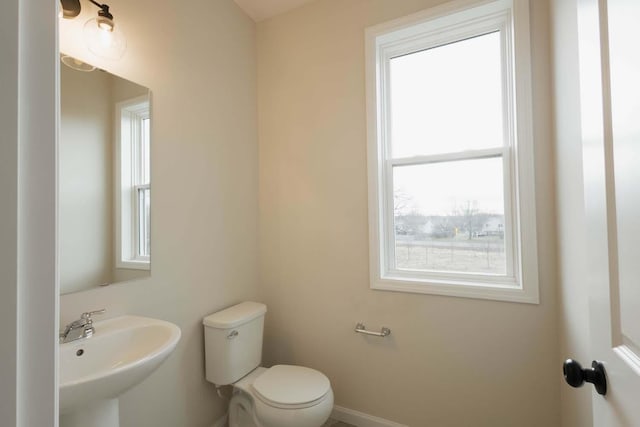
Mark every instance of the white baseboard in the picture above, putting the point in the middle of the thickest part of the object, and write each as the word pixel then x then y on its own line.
pixel 361 419
pixel 222 422
pixel 349 416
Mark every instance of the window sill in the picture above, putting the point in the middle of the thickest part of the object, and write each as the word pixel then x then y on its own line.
pixel 134 265
pixel 485 290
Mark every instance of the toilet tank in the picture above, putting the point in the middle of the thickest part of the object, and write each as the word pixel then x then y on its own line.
pixel 233 342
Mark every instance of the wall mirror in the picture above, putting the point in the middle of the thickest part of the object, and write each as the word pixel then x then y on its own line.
pixel 104 178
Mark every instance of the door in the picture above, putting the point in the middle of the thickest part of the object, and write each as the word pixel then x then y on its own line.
pixel 609 36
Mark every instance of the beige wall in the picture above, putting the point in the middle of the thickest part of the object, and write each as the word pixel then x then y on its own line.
pixel 124 90
pixel 572 267
pixel 199 62
pixel 450 361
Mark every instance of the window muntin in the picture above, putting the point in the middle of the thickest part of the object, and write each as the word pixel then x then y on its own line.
pixel 462 117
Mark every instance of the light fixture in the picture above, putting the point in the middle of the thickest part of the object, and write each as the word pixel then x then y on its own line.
pixel 76 64
pixel 70 8
pixel 101 35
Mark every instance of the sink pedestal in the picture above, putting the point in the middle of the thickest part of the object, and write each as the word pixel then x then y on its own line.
pixel 102 413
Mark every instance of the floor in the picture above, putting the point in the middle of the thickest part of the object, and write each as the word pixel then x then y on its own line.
pixel 333 423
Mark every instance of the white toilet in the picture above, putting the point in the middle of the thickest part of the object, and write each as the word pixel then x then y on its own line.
pixel 280 396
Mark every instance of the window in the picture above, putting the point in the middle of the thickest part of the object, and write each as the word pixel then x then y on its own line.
pixel 133 190
pixel 451 154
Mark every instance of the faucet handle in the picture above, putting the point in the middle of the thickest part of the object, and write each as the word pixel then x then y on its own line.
pixel 87 315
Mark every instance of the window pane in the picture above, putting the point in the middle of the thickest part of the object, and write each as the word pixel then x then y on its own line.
pixel 146 151
pixel 144 222
pixel 448 98
pixel 449 217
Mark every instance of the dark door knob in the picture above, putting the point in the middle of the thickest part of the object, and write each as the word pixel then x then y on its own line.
pixel 575 376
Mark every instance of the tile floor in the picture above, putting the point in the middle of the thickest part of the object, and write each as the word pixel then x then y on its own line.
pixel 334 423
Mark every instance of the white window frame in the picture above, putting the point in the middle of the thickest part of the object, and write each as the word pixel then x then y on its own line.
pixel 450 22
pixel 128 145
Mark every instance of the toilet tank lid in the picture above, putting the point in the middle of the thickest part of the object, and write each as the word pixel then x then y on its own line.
pixel 235 315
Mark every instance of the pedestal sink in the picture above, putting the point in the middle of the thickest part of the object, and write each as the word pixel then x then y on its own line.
pixel 94 371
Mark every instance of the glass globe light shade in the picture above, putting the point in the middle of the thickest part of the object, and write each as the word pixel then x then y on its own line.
pixel 76 64
pixel 104 39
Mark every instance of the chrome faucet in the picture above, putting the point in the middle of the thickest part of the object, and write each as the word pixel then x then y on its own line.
pixel 81 328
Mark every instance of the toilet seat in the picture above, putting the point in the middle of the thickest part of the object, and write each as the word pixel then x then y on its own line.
pixel 291 387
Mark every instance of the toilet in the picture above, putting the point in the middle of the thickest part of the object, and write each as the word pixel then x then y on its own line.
pixel 280 396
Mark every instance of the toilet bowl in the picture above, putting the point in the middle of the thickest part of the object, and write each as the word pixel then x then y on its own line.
pixel 280 396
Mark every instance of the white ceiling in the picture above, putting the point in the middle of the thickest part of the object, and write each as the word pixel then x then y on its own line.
pixel 260 10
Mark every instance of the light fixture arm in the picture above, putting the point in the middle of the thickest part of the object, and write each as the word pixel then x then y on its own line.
pixel 71 9
pixel 104 10
pixel 104 7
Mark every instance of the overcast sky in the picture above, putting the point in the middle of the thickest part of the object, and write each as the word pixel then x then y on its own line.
pixel 449 99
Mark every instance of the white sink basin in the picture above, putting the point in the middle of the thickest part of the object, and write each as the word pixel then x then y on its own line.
pixel 122 352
